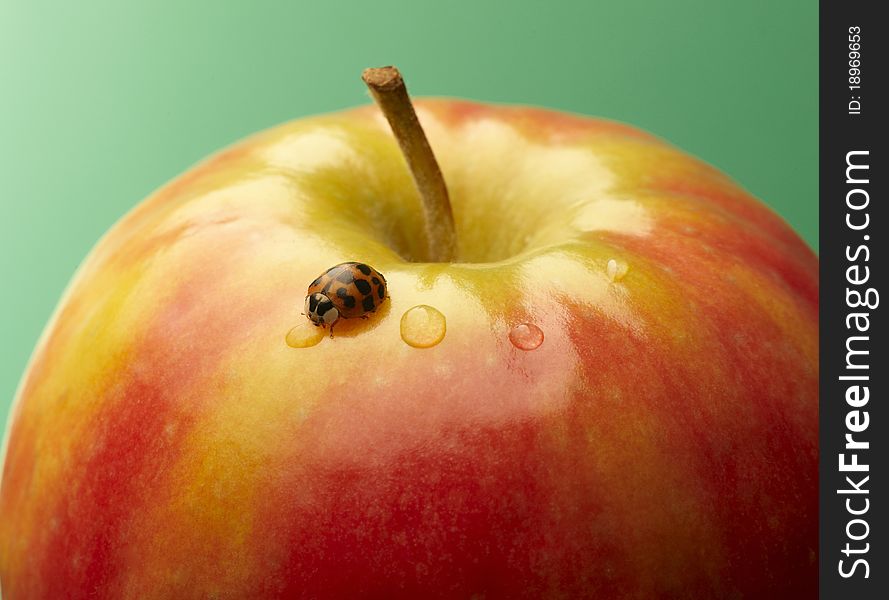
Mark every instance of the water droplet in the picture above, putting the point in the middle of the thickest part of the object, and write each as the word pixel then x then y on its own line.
pixel 422 326
pixel 304 335
pixel 526 336
pixel 616 269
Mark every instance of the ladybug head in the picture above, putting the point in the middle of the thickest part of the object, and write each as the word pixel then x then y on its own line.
pixel 320 309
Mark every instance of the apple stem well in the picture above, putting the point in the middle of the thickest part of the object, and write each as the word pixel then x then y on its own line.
pixel 389 92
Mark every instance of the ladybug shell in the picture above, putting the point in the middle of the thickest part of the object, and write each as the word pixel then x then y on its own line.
pixel 354 288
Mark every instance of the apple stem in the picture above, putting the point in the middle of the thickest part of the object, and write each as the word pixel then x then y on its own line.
pixel 389 92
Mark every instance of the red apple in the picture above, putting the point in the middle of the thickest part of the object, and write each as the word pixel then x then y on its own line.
pixel 661 441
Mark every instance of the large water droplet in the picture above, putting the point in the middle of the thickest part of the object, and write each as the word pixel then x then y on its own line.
pixel 304 335
pixel 422 326
pixel 526 336
pixel 616 269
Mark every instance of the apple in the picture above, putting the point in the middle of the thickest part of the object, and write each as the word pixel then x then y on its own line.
pixel 609 389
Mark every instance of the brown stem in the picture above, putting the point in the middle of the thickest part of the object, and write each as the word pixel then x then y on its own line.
pixel 389 92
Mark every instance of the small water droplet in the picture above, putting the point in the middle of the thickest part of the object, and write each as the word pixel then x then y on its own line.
pixel 304 335
pixel 422 326
pixel 526 336
pixel 616 269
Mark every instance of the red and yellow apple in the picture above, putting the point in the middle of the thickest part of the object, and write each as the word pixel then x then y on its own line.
pixel 661 442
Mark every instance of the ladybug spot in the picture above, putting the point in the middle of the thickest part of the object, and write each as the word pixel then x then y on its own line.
pixel 348 301
pixel 363 286
pixel 368 303
pixel 363 268
pixel 381 292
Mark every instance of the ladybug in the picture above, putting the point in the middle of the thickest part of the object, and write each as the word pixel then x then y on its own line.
pixel 346 291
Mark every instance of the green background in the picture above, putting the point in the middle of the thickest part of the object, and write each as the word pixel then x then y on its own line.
pixel 102 102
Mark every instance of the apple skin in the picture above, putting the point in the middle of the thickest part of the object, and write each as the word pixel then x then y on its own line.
pixel 661 442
